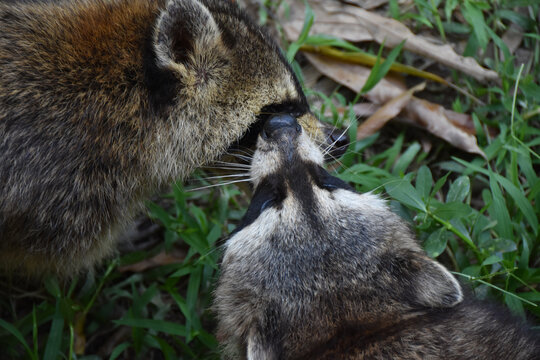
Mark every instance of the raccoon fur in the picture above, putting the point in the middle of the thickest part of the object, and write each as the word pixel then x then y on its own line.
pixel 103 102
pixel 318 271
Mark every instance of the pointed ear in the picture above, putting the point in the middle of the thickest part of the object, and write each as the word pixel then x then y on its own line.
pixel 183 28
pixel 430 284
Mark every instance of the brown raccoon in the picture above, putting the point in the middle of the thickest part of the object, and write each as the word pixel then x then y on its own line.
pixel 104 101
pixel 318 271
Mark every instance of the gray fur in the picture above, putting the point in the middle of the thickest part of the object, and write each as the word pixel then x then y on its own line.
pixel 327 273
pixel 103 102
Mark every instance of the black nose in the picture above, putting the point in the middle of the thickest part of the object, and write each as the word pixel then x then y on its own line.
pixel 280 123
pixel 337 141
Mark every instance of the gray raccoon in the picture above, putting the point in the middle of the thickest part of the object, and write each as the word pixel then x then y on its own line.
pixel 318 271
pixel 103 102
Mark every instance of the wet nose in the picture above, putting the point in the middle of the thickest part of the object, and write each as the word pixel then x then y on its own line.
pixel 338 142
pixel 280 123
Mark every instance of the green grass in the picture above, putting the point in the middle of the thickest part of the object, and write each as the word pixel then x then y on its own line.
pixel 477 216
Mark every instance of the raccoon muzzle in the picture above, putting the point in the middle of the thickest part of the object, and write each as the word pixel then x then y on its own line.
pixel 280 123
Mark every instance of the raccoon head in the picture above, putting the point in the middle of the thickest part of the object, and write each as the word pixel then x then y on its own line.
pixel 321 237
pixel 227 74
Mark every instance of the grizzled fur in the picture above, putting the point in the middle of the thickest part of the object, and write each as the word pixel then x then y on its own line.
pixel 102 102
pixel 318 271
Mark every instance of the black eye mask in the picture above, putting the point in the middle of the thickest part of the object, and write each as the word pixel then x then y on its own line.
pixel 269 194
pixel 324 180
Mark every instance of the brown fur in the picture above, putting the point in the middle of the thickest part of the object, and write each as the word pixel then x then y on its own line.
pixel 318 271
pixel 103 102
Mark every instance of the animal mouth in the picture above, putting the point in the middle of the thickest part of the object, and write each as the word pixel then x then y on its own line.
pixel 336 140
pixel 249 138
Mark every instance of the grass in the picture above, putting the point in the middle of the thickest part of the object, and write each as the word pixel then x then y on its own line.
pixel 477 216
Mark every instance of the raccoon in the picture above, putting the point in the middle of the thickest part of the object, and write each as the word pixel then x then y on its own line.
pixel 103 102
pixel 317 271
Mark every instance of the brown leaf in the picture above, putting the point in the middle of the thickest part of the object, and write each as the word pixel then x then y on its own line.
pixel 434 119
pixel 354 24
pixel 340 24
pixel 163 258
pixel 386 112
pixel 366 4
pixel 354 77
pixel 456 129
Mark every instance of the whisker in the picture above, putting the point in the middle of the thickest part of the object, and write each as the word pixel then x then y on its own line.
pixel 220 184
pixel 327 150
pixel 223 176
pixel 231 164
pixel 239 156
pixel 224 168
pixel 247 151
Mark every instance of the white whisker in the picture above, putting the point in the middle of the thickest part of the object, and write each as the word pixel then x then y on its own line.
pixel 220 184
pixel 223 176
pixel 242 157
pixel 329 147
pixel 225 168
pixel 246 166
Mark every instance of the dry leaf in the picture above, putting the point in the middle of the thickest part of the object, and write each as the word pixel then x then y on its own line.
pixel 341 25
pixel 386 112
pixel 434 118
pixel 354 24
pixel 512 38
pixel 163 258
pixel 443 123
pixel 366 4
pixel 354 77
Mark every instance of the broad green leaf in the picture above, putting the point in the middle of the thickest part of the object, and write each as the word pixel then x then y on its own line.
pixel 521 201
pixel 459 190
pixel 452 210
pixel 436 243
pixel 475 18
pixel 404 192
pixel 157 212
pixel 515 305
pixel 424 182
pixel 493 259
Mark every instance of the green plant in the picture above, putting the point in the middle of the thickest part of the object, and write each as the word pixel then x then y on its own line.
pixel 477 216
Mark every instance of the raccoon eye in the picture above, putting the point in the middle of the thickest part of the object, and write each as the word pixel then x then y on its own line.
pixel 268 203
pixel 329 187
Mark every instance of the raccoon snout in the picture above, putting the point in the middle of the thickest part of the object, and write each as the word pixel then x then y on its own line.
pixel 337 141
pixel 278 124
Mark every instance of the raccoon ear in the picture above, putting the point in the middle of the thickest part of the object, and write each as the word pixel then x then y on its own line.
pixel 432 285
pixel 184 28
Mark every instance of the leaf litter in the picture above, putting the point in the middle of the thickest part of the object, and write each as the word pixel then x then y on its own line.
pixel 349 22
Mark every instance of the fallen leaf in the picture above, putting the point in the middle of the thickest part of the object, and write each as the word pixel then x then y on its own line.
pixel 341 25
pixel 355 24
pixel 366 4
pixel 512 38
pixel 386 112
pixel 458 130
pixel 162 258
pixel 354 77
pixel 433 118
